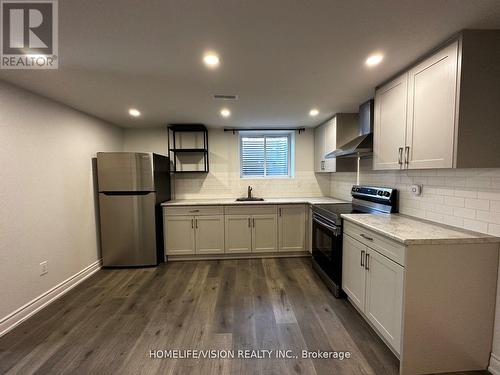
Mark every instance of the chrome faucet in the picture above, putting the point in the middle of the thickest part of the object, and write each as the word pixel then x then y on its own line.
pixel 249 191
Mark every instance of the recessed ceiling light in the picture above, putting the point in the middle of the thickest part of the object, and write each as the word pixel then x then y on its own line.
pixel 313 112
pixel 224 112
pixel 134 112
pixel 211 59
pixel 374 59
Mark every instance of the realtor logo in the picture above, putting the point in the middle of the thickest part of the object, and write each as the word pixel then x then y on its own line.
pixel 29 37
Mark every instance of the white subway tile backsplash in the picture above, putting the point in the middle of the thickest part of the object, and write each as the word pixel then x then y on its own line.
pixel 454 201
pixel 464 212
pixel 455 181
pixel 494 229
pixel 495 206
pixel 466 193
pixel 478 182
pixel 466 198
pixel 475 225
pixel 478 204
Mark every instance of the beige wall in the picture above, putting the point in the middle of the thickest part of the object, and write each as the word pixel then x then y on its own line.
pixel 47 193
pixel 145 140
pixel 224 180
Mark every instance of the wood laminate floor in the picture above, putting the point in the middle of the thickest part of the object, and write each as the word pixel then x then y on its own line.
pixel 111 322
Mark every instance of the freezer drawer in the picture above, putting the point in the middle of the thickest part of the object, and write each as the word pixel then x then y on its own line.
pixel 128 229
pixel 125 171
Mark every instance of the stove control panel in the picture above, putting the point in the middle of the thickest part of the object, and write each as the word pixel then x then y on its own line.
pixel 374 193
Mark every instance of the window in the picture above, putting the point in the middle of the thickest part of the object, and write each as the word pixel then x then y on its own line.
pixel 266 154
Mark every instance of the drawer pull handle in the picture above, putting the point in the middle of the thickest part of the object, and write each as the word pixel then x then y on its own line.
pixel 366 237
pixel 362 264
pixel 367 262
pixel 194 211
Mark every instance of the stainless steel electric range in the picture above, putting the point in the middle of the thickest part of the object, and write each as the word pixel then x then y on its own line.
pixel 327 229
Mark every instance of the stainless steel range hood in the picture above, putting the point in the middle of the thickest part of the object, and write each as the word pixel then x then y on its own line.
pixel 362 145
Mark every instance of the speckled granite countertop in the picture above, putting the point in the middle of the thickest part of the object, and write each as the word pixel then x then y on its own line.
pixel 232 201
pixel 413 231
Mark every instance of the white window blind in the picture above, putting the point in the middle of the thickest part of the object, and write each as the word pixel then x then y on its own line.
pixel 265 155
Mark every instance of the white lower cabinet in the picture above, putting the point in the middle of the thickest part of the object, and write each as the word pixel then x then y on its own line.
pixel 292 227
pixel 211 230
pixel 264 233
pixel 384 296
pixel 251 233
pixel 353 271
pixel 238 234
pixel 374 283
pixel 179 235
pixel 209 234
pixel 189 235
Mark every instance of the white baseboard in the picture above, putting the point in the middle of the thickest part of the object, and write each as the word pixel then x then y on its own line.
pixel 24 312
pixel 494 366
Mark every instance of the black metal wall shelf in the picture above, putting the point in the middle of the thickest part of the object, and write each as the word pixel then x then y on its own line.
pixel 175 150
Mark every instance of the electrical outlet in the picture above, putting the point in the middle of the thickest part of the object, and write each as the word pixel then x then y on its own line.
pixel 416 190
pixel 44 268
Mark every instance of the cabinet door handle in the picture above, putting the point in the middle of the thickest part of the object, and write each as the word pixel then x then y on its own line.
pixel 361 263
pixel 196 223
pixel 253 221
pixel 367 262
pixel 407 155
pixel 400 156
pixel 279 211
pixel 322 165
pixel 192 223
pixel 366 237
pixel 249 223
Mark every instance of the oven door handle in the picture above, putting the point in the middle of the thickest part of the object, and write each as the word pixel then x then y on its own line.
pixel 333 228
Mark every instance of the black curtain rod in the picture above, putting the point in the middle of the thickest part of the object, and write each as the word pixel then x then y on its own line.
pixel 234 130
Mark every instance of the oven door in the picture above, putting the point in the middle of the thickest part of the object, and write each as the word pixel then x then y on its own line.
pixel 327 248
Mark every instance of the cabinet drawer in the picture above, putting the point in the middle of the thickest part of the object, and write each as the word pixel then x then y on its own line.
pixel 192 210
pixel 263 209
pixel 385 246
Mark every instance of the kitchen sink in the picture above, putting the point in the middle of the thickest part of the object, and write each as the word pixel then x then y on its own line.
pixel 249 199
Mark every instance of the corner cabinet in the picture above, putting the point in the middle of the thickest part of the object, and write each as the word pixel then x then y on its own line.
pixel 442 112
pixel 330 135
pixel 324 142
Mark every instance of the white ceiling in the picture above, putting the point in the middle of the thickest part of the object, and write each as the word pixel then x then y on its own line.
pixel 281 57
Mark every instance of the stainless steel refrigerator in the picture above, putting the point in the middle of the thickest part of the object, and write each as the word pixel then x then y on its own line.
pixel 131 188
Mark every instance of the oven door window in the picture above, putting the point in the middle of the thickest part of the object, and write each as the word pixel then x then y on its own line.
pixel 322 242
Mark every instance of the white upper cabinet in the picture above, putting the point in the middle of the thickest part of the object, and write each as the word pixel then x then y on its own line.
pixel 443 112
pixel 390 124
pixel 324 142
pixel 432 90
pixel 319 149
pixel 415 115
pixel 331 135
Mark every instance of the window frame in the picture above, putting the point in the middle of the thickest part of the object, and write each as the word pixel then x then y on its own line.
pixel 269 134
